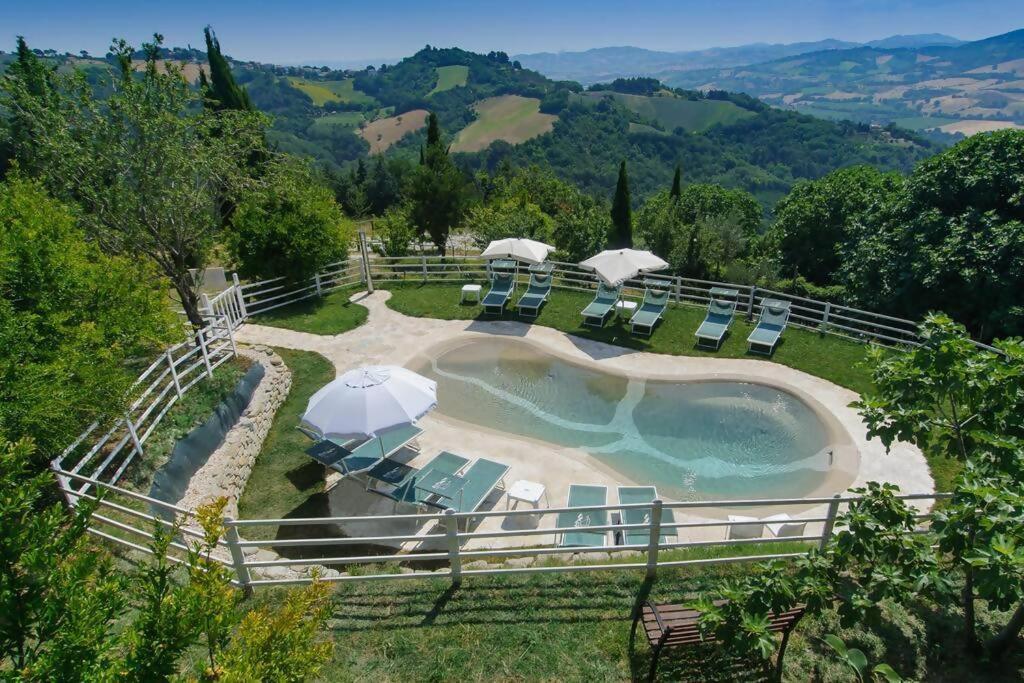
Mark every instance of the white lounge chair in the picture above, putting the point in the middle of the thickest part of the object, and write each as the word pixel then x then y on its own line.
pixel 745 528
pixel 783 526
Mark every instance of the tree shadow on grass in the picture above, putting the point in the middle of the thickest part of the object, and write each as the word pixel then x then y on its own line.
pixel 306 476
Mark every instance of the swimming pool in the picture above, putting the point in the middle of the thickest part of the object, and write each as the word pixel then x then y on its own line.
pixel 694 440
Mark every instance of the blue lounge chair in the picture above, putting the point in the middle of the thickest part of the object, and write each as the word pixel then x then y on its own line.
pixel 629 495
pixel 535 296
pixel 650 311
pixel 406 491
pixel 598 310
pixel 719 317
pixel 584 496
pixel 357 456
pixel 502 285
pixel 770 325
pixel 481 479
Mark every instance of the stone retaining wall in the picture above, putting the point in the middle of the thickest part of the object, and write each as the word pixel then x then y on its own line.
pixel 227 469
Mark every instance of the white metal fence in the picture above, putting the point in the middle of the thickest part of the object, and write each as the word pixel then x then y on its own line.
pixel 97 460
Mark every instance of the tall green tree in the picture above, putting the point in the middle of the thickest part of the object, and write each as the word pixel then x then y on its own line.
pixel 73 321
pixel 36 78
pixel 151 171
pixel 677 183
pixel 222 90
pixel 621 213
pixel 437 190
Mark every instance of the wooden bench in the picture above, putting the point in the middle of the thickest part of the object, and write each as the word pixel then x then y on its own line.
pixel 673 626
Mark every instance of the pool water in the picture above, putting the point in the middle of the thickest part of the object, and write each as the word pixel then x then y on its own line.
pixel 711 440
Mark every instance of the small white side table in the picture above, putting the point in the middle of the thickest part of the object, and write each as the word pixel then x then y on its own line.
pixel 470 291
pixel 624 306
pixel 526 491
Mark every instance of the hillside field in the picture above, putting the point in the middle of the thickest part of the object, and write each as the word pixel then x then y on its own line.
pixel 383 133
pixel 511 118
pixel 346 119
pixel 322 92
pixel 449 77
pixel 675 112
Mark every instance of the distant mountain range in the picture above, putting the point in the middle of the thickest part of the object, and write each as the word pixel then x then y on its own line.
pixel 607 63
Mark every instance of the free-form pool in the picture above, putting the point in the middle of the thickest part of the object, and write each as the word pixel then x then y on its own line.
pixel 693 440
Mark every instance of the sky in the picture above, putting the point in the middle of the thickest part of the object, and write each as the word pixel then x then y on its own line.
pixel 322 31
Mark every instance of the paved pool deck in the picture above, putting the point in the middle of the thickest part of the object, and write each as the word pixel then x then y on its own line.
pixel 391 338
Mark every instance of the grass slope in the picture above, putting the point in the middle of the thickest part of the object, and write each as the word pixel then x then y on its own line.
pixel 449 77
pixel 285 482
pixel 322 92
pixel 676 112
pixel 332 314
pixel 383 133
pixel 511 118
pixel 341 119
pixel 575 627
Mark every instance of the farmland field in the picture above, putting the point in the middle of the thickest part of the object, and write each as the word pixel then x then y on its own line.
pixel 383 133
pixel 676 112
pixel 449 77
pixel 339 119
pixel 510 118
pixel 322 92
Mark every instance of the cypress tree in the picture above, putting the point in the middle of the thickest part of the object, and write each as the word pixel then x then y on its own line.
pixel 224 93
pixel 622 214
pixel 677 183
pixel 433 130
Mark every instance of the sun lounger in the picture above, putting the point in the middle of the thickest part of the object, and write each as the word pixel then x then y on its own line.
pixel 783 526
pixel 770 326
pixel 501 291
pixel 536 294
pixel 406 492
pixel 629 495
pixel 748 527
pixel 355 456
pixel 718 318
pixel 482 478
pixel 650 311
pixel 598 310
pixel 583 496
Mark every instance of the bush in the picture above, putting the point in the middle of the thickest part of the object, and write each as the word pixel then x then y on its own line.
pixel 290 226
pixel 396 231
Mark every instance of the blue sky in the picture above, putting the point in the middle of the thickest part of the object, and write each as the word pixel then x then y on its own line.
pixel 316 31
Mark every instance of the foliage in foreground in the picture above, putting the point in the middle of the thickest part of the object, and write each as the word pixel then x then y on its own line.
pixel 70 614
pixel 72 320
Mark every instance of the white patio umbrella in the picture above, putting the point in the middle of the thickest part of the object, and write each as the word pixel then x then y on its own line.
pixel 619 265
pixel 366 401
pixel 520 249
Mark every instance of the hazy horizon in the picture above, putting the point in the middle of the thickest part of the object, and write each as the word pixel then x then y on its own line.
pixel 347 32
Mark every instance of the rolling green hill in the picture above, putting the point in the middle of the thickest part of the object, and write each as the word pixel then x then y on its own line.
pixel 978 85
pixel 671 112
pixel 511 118
pixel 322 92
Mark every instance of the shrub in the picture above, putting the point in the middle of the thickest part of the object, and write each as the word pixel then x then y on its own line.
pixel 290 226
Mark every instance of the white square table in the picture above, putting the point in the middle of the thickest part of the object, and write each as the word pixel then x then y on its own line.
pixel 526 491
pixel 623 306
pixel 470 291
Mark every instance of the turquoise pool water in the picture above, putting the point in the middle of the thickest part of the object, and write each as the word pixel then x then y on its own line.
pixel 693 440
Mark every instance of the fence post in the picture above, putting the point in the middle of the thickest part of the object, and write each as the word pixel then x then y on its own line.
pixel 316 279
pixel 204 303
pixel 655 538
pixel 202 347
pixel 133 433
pixel 423 258
pixel 240 296
pixel 451 531
pixel 824 317
pixel 364 252
pixel 830 522
pixel 231 336
pixel 679 289
pixel 174 372
pixel 750 303
pixel 237 556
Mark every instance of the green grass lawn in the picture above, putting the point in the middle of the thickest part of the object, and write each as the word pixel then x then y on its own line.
pixel 575 627
pixel 449 77
pixel 285 482
pixel 332 314
pixel 833 358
